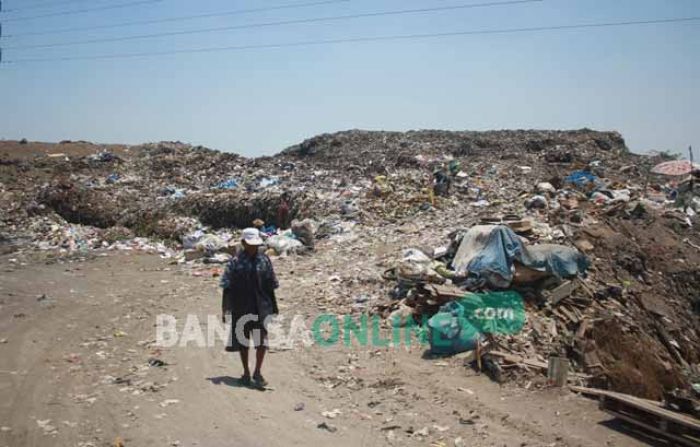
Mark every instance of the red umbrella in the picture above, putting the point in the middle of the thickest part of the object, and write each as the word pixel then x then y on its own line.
pixel 675 167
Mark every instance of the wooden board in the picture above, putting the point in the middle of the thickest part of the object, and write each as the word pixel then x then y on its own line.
pixel 649 415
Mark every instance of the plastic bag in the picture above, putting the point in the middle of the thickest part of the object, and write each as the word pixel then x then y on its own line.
pixel 451 332
pixel 283 245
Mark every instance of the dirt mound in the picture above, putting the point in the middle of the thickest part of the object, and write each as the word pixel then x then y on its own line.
pixel 632 365
pixel 376 150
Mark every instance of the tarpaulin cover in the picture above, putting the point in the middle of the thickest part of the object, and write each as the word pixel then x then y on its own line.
pixel 228 184
pixel 487 253
pixel 559 260
pixel 581 178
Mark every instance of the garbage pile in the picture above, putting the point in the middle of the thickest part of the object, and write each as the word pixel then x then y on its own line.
pixel 376 152
pixel 601 245
pixel 473 271
pixel 591 259
pixel 622 322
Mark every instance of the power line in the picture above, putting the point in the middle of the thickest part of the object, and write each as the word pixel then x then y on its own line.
pixel 273 24
pixel 81 11
pixel 182 18
pixel 46 4
pixel 360 40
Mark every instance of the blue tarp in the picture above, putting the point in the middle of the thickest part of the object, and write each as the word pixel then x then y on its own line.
pixel 581 178
pixel 228 184
pixel 487 253
pixel 559 260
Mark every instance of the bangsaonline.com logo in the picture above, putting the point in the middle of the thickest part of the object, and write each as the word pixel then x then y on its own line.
pixel 457 323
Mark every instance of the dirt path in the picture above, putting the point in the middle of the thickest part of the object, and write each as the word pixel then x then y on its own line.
pixel 74 371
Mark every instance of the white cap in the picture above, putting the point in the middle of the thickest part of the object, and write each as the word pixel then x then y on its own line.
pixel 251 236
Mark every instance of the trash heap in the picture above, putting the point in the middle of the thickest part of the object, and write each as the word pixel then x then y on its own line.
pixel 601 245
pixel 605 266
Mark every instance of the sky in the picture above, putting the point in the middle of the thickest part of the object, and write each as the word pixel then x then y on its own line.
pixel 642 81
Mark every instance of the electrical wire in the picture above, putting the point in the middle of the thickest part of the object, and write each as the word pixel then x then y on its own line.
pixel 180 18
pixel 397 37
pixel 273 24
pixel 47 4
pixel 81 11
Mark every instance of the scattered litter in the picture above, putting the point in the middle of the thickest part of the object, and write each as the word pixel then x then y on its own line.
pixel 331 414
pixel 168 402
pixel 328 427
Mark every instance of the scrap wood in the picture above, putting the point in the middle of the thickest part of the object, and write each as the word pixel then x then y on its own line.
pixel 576 312
pixel 512 358
pixel 668 343
pixel 563 291
pixel 583 327
pixel 445 293
pixel 580 303
pixel 648 414
pixel 565 315
pixel 558 314
pixel 592 360
pixel 597 392
pixel 571 316
pixel 532 363
pixel 677 401
pixel 586 289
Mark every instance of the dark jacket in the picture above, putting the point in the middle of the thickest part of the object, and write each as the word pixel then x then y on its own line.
pixel 249 284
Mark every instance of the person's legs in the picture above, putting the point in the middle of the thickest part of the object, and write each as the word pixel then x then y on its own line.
pixel 244 349
pixel 260 339
pixel 244 360
pixel 259 357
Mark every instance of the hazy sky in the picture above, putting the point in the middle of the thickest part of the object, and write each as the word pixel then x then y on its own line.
pixel 642 81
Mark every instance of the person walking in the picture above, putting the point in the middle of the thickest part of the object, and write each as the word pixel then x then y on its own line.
pixel 283 212
pixel 249 284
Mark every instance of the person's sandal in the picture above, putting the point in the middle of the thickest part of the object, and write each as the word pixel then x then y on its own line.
pixel 260 381
pixel 244 380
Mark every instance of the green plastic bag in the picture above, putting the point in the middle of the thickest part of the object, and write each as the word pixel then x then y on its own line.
pixel 451 332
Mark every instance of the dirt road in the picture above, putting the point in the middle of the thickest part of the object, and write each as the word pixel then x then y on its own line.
pixel 74 371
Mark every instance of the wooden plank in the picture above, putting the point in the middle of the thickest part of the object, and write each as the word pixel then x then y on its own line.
pixel 560 316
pixel 561 292
pixel 652 407
pixel 569 315
pixel 660 432
pixel 512 358
pixel 446 293
pixel 558 371
pixel 583 327
pixel 587 391
pixel 623 407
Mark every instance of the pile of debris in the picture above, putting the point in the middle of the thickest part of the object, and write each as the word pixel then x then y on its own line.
pixel 604 297
pixel 601 249
pixel 370 152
